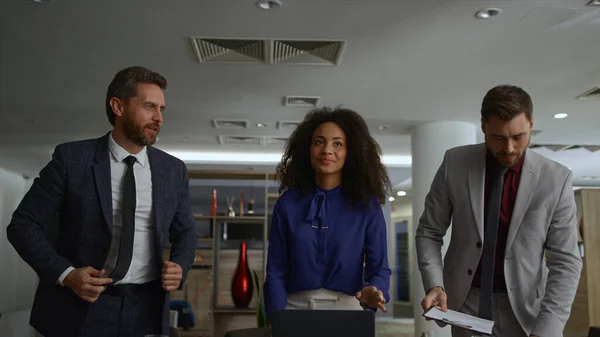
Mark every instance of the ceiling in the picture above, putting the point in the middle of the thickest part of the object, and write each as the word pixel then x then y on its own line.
pixel 403 63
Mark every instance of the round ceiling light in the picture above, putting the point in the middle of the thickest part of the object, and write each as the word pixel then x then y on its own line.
pixel 488 13
pixel 269 4
pixel 401 193
pixel 560 115
pixel 391 199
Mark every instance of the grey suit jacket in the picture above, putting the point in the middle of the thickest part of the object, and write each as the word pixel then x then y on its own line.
pixel 541 290
pixel 76 185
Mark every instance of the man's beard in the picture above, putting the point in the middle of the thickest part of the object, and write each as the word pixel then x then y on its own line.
pixel 499 155
pixel 137 134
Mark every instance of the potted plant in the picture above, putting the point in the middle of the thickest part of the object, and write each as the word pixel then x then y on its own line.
pixel 262 321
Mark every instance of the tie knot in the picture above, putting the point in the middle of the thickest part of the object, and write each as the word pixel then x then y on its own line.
pixel 130 160
pixel 498 174
pixel 502 170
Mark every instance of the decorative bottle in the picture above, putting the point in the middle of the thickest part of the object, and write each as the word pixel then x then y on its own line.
pixel 242 287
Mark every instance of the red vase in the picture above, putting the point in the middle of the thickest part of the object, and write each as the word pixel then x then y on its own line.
pixel 242 287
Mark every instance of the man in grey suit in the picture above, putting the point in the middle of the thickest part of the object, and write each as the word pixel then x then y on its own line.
pixel 118 200
pixel 513 255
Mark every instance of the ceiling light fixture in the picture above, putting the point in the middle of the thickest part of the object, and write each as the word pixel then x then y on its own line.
pixel 269 4
pixel 391 199
pixel 262 125
pixel 488 13
pixel 560 115
pixel 401 193
pixel 263 158
pixel 381 127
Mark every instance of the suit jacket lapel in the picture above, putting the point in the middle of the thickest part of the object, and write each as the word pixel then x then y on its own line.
pixel 158 185
pixel 527 185
pixel 476 187
pixel 102 177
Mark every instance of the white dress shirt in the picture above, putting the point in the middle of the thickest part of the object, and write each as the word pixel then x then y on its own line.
pixel 142 268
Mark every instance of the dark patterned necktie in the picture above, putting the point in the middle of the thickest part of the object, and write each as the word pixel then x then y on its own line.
pixel 128 223
pixel 489 244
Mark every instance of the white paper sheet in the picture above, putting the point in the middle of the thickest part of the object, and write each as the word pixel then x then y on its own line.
pixel 461 320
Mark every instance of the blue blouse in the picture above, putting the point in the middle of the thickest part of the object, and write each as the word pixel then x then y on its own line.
pixel 318 241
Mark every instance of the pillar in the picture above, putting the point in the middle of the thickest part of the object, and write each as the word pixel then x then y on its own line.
pixel 429 142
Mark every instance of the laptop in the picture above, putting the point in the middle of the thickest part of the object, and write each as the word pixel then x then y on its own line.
pixel 323 323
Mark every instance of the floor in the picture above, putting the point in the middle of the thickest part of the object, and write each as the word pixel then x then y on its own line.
pixel 394 327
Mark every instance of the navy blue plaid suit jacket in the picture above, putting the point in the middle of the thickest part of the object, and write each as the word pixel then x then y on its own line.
pixel 76 185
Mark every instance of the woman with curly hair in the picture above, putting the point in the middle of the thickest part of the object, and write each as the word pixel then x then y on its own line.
pixel 329 221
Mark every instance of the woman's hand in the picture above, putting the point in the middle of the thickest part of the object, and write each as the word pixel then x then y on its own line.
pixel 372 297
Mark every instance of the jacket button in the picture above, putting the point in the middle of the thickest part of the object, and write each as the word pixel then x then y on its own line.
pixel 478 244
pixel 469 272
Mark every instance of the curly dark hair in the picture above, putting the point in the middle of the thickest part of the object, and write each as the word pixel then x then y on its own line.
pixel 363 173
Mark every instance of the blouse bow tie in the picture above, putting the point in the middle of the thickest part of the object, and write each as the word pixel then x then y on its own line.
pixel 318 211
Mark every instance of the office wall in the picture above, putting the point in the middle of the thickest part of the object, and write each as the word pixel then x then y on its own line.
pixel 17 279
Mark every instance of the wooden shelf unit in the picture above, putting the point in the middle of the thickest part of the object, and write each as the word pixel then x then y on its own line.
pixel 209 285
pixel 585 311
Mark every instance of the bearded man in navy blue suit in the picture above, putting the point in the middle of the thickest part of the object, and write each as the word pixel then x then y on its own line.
pixel 118 200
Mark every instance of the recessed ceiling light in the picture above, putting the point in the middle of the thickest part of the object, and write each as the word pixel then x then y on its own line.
pixel 391 199
pixel 401 193
pixel 269 4
pixel 262 125
pixel 560 115
pixel 381 127
pixel 488 13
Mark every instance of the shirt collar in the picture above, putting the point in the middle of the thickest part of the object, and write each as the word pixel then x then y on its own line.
pixel 120 153
pixel 334 190
pixel 519 165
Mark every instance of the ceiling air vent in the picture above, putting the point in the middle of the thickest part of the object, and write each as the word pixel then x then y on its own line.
pixel 213 50
pixel 250 140
pixel 594 3
pixel 269 51
pixel 564 147
pixel 275 140
pixel 230 123
pixel 307 52
pixel 590 94
pixel 591 148
pixel 556 147
pixel 287 124
pixel 301 100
